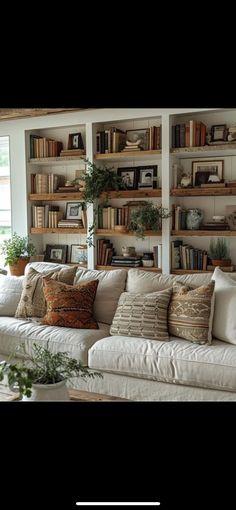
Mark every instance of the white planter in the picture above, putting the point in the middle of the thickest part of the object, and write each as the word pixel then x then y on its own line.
pixel 54 392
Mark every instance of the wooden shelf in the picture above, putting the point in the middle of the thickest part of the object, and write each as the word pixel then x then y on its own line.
pixel 68 230
pixel 128 155
pixel 111 268
pixel 225 149
pixel 189 271
pixel 55 160
pixel 55 197
pixel 203 192
pixel 204 233
pixel 109 232
pixel 136 193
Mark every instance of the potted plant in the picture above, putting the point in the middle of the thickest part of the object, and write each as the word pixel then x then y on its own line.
pixel 42 375
pixel 147 217
pixel 219 252
pixel 17 252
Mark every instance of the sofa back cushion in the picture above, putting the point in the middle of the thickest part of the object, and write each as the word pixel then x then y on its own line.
pixel 111 285
pixel 190 313
pixel 142 315
pixel 224 322
pixel 70 306
pixel 10 293
pixel 32 302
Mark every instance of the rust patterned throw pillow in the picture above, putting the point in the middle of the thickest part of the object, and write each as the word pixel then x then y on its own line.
pixel 70 306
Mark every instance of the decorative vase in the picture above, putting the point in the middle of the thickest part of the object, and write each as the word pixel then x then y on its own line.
pixel 54 392
pixel 194 219
pixel 147 260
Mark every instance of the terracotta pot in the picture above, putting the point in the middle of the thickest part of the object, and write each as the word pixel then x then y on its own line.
pixel 19 268
pixel 221 262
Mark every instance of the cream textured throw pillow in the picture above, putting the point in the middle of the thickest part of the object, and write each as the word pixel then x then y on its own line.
pixel 10 293
pixel 191 311
pixel 224 321
pixel 142 315
pixel 32 302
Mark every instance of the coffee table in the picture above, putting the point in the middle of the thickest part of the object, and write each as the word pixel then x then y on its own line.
pixel 76 395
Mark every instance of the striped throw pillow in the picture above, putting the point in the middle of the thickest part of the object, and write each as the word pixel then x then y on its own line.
pixel 142 315
pixel 190 314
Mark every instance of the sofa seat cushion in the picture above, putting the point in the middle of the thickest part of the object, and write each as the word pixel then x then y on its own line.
pixel 75 341
pixel 177 361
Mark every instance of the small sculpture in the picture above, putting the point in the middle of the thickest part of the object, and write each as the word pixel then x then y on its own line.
pixel 185 181
pixel 213 178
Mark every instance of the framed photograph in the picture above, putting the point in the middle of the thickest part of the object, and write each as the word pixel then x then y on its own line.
pixel 56 253
pixel 202 170
pixel 147 177
pixel 133 135
pixel 79 254
pixel 73 211
pixel 219 133
pixel 129 176
pixel 75 141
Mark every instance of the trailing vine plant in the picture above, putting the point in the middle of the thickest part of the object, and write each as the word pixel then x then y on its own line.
pixel 98 180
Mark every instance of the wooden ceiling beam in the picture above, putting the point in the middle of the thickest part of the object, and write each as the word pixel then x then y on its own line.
pixel 16 113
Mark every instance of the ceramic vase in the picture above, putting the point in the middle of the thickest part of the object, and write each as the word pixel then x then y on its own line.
pixel 53 392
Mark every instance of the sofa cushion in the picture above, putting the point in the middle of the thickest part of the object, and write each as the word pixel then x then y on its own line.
pixel 111 285
pixel 10 293
pixel 143 315
pixel 32 302
pixel 74 341
pixel 224 322
pixel 177 361
pixel 190 313
pixel 70 305
pixel 142 281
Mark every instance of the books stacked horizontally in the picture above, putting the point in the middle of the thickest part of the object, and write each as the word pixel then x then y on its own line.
pixel 70 224
pixel 132 147
pixel 120 260
pixel 72 152
pixel 215 225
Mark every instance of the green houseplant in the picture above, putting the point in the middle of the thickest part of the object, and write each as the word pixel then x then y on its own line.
pixel 98 180
pixel 43 373
pixel 219 252
pixel 147 217
pixel 17 252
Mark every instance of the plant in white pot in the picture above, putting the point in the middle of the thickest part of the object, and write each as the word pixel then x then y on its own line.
pixel 42 375
pixel 17 252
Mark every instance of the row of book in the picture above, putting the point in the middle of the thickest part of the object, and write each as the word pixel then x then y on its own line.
pixel 109 217
pixel 105 252
pixel 190 134
pixel 46 183
pixel 42 147
pixel 179 221
pixel 49 216
pixel 184 256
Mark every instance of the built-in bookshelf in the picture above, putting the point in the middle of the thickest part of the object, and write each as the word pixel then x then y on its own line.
pixel 212 201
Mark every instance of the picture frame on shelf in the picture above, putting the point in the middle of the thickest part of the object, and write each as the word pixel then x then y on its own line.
pixel 219 133
pixel 129 176
pixel 147 177
pixel 56 253
pixel 75 141
pixel 201 171
pixel 133 135
pixel 73 210
pixel 79 254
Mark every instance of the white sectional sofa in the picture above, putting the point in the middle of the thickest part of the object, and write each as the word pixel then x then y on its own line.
pixel 133 368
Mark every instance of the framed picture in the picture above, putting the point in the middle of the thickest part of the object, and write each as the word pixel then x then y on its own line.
pixel 79 254
pixel 219 133
pixel 133 135
pixel 147 177
pixel 202 170
pixel 56 253
pixel 75 141
pixel 73 210
pixel 129 176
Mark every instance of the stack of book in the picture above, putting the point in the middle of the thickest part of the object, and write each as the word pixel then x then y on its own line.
pixel 72 152
pixel 70 224
pixel 214 225
pixel 132 147
pixel 120 260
